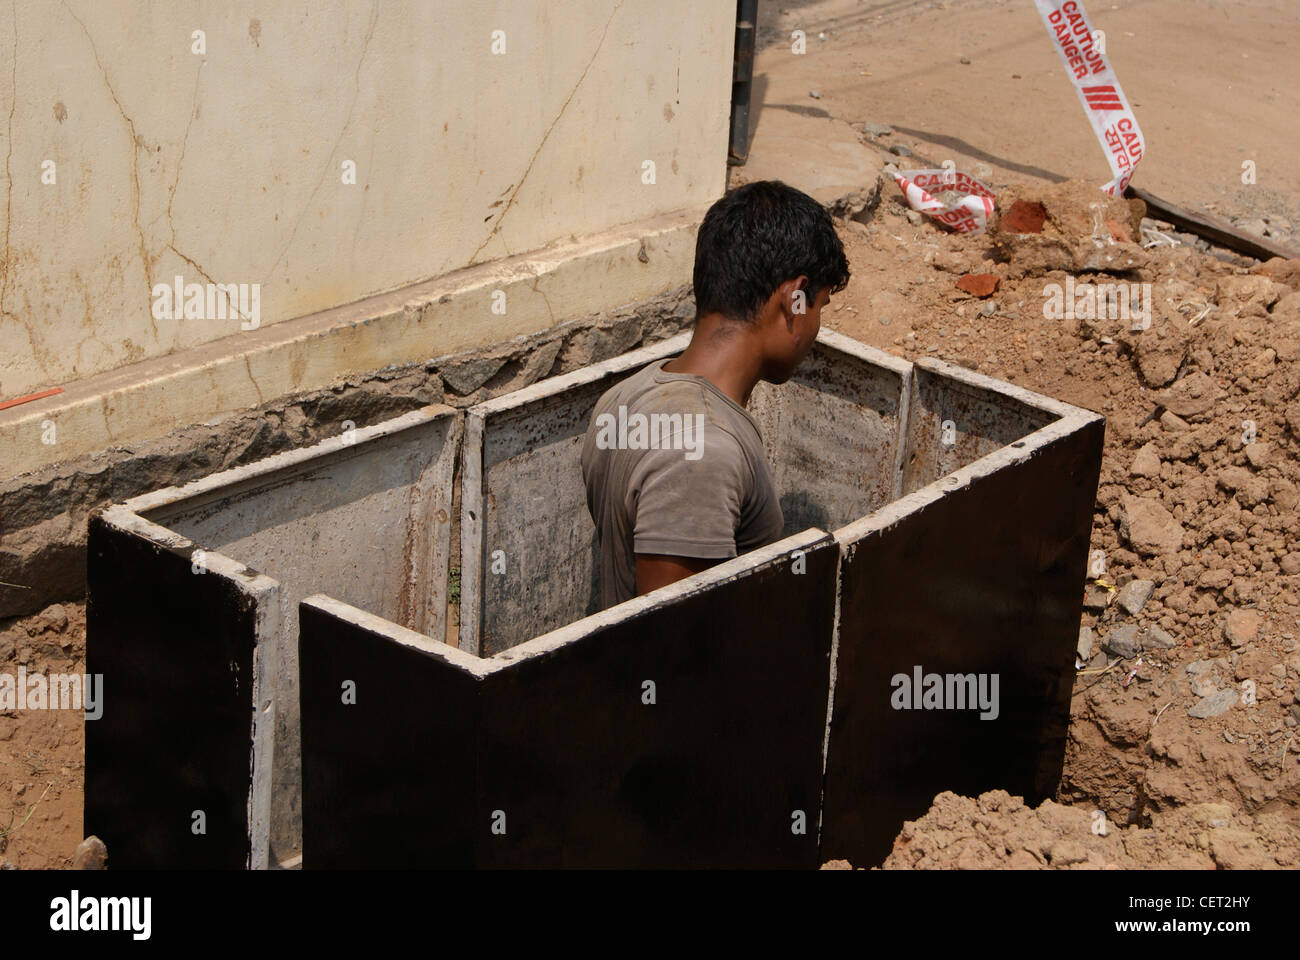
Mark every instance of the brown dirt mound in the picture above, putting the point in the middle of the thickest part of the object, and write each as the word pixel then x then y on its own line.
pixel 997 831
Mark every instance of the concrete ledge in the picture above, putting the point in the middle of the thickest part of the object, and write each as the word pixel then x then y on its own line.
pixel 842 173
pixel 441 316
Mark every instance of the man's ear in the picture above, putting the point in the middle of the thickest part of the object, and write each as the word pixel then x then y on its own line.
pixel 796 299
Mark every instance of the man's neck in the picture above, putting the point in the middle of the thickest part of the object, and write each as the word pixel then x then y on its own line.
pixel 727 355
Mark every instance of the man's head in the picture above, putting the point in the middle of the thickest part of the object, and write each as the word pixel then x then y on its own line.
pixel 767 260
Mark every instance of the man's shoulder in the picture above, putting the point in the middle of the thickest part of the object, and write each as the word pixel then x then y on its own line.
pixel 676 405
pixel 640 378
pixel 645 383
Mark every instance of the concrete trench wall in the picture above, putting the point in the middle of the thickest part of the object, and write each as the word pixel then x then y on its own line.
pixel 541 705
pixel 186 744
pixel 529 553
pixel 981 416
pixel 529 556
pixel 833 432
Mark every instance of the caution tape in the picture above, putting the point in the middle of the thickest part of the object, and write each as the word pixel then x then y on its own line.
pixel 1098 88
pixel 970 214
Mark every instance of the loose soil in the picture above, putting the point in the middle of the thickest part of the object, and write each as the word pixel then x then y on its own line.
pixel 42 769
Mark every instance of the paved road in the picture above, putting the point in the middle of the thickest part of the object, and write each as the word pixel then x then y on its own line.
pixel 1212 83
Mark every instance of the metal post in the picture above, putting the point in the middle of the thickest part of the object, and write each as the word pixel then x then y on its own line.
pixel 742 74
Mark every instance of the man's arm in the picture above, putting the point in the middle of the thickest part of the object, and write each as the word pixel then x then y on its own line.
pixel 654 570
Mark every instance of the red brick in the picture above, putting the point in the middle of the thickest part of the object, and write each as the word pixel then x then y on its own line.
pixel 1025 216
pixel 979 284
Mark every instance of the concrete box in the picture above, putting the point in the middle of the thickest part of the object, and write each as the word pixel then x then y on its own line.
pixel 961 508
pixel 193 620
pixel 861 442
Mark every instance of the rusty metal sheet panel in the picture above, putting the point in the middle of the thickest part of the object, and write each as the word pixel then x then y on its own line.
pixel 172 752
pixel 976 575
pixel 684 728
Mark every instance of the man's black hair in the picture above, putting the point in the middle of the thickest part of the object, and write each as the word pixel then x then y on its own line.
pixel 757 237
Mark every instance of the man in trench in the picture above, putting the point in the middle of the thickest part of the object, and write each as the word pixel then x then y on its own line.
pixel 673 462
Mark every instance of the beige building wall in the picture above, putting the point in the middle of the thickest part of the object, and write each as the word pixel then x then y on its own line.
pixel 478 130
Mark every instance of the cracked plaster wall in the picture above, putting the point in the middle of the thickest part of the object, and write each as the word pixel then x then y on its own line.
pixel 225 167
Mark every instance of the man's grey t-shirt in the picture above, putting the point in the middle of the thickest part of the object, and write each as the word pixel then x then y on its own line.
pixel 674 466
